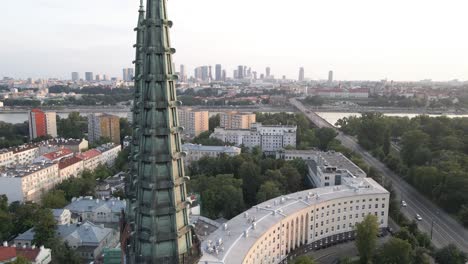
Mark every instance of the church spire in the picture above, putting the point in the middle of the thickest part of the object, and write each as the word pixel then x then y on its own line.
pixel 157 213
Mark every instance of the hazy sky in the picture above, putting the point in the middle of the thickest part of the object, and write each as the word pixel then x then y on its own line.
pixel 358 39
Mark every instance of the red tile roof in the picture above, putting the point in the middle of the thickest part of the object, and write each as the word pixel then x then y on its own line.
pixel 89 154
pixel 58 154
pixel 66 162
pixel 7 253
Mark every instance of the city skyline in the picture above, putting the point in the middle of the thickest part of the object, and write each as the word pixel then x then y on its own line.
pixel 362 40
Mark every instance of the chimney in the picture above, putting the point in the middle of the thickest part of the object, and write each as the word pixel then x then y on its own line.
pixel 5 244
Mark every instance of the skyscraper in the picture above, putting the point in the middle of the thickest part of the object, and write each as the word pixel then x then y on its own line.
pixel 210 73
pixel 330 77
pixel 301 74
pixel 204 73
pixel 218 72
pixel 127 74
pixel 158 216
pixel 240 72
pixel 75 76
pixel 89 77
pixel 182 77
pixel 42 124
pixel 224 76
pixel 267 71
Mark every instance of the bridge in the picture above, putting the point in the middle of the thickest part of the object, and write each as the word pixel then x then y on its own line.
pixel 441 226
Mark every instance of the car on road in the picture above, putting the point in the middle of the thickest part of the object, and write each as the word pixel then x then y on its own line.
pixel 403 203
pixel 418 217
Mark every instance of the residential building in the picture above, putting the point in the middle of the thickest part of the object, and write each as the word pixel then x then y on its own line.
pixel 105 189
pixel 71 167
pixel 315 218
pixel 54 156
pixel 75 145
pixel 97 210
pixel 26 183
pixel 109 153
pixel 236 120
pixel 128 74
pixel 25 154
pixel 33 254
pixel 267 72
pixel 193 121
pixel 330 77
pixel 91 159
pixel 87 239
pixel 196 152
pixel 268 138
pixel 182 73
pixel 42 124
pixel 62 216
pixel 103 126
pixel 7 158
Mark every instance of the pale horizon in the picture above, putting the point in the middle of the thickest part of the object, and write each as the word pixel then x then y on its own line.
pixel 358 40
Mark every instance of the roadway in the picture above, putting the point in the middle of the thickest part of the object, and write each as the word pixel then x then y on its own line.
pixel 445 229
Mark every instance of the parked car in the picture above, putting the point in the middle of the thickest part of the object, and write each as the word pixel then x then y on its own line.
pixel 403 203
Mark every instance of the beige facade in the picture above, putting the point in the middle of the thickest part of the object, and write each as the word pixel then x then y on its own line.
pixel 236 120
pixel 103 126
pixel 7 158
pixel 193 121
pixel 109 153
pixel 25 154
pixel 28 183
pixel 70 168
pixel 270 231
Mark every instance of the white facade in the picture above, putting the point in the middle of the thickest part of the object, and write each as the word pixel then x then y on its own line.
pixel 268 232
pixel 297 154
pixel 109 153
pixel 269 138
pixel 196 152
pixel 28 183
pixel 62 216
pixel 70 168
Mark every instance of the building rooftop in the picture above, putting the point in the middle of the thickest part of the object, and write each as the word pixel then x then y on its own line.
pixel 89 154
pixel 106 147
pixel 58 154
pixel 23 148
pixel 7 253
pixel 24 170
pixel 195 147
pixel 63 141
pixel 88 204
pixel 338 161
pixel 66 162
pixel 58 212
pixel 272 212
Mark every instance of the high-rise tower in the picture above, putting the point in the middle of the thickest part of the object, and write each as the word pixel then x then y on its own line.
pixel 157 219
pixel 301 74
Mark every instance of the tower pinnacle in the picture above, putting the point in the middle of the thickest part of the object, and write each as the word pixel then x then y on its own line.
pixel 157 215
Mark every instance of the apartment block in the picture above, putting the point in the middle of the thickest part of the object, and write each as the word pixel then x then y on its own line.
pixel 268 138
pixel 103 126
pixel 42 124
pixel 236 120
pixel 196 152
pixel 28 183
pixel 193 121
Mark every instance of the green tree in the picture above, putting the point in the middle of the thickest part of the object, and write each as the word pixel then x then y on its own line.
pixel 304 260
pixel 386 143
pixel 54 199
pixel 414 150
pixel 366 238
pixel 251 181
pixel 268 190
pixel 204 139
pixel 293 179
pixel 20 260
pixel 44 228
pixel 325 136
pixel 214 122
pixel 450 255
pixel 394 251
pixel 406 235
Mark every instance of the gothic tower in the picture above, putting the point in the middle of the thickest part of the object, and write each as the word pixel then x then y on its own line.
pixel 157 216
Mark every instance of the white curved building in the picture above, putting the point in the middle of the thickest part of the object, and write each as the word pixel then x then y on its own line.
pixel 268 232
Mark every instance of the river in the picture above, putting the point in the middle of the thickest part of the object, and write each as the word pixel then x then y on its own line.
pixel 332 117
pixel 17 118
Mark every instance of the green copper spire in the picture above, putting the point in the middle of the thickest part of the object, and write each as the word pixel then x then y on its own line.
pixel 158 216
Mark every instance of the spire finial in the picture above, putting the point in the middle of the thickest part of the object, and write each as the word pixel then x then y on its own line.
pixel 141 5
